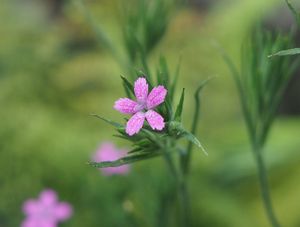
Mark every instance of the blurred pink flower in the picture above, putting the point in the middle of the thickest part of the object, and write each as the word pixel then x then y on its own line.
pixel 45 211
pixel 142 108
pixel 108 152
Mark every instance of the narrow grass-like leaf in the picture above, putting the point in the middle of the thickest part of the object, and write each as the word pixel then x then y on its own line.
pixel 185 160
pixel 101 35
pixel 190 137
pixel 292 51
pixel 117 125
pixel 294 11
pixel 174 84
pixel 163 75
pixel 128 85
pixel 178 112
pixel 236 76
pixel 125 160
pixel 150 135
pixel 197 104
pixel 143 59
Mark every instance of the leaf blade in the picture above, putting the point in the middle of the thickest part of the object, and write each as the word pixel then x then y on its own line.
pixel 117 125
pixel 293 51
pixel 125 160
pixel 190 137
pixel 178 112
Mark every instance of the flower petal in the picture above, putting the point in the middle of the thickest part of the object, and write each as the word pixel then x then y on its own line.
pixel 141 89
pixel 31 207
pixel 126 106
pixel 30 222
pixel 48 197
pixel 63 211
pixel 155 120
pixel 135 123
pixel 47 223
pixel 156 96
pixel 108 152
pixel 120 170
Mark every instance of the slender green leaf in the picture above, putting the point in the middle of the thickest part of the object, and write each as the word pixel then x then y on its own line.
pixel 128 86
pixel 125 160
pixel 117 125
pixel 185 159
pixel 179 108
pixel 294 11
pixel 197 104
pixel 190 137
pixel 101 35
pixel 174 84
pixel 236 76
pixel 293 51
pixel 163 75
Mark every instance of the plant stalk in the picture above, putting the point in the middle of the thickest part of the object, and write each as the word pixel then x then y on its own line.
pixel 264 188
pixel 181 189
pixel 184 203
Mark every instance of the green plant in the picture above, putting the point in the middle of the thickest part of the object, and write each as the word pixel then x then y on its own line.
pixel 149 143
pixel 293 51
pixel 261 83
pixel 142 28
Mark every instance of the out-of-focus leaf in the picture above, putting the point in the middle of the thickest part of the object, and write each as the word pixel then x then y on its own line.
pixel 174 84
pixel 163 74
pixel 101 35
pixel 294 11
pixel 237 79
pixel 293 51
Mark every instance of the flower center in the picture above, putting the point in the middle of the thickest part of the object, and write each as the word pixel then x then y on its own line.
pixel 140 107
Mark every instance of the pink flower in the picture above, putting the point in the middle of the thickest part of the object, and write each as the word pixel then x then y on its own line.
pixel 108 152
pixel 142 108
pixel 45 211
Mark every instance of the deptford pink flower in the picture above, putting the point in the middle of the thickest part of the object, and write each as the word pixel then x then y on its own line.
pixel 142 108
pixel 108 152
pixel 45 211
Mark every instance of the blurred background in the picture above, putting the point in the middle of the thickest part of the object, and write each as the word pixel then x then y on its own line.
pixel 54 72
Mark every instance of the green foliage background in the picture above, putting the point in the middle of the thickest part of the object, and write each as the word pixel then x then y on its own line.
pixel 54 73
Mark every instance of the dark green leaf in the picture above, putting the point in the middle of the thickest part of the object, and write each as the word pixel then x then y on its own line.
pixel 127 85
pixel 125 160
pixel 179 108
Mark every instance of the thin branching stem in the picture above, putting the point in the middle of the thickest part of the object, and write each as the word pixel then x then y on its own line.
pixel 186 156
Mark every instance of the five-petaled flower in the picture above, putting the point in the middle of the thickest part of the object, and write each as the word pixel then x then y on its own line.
pixel 45 211
pixel 108 152
pixel 142 108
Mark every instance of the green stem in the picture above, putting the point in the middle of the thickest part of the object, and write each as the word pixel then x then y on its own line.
pixel 181 190
pixel 264 188
pixel 184 203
